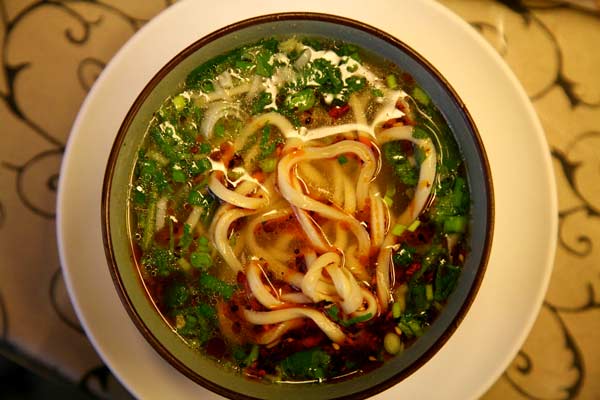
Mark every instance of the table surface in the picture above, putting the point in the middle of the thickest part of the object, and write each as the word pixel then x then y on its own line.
pixel 52 51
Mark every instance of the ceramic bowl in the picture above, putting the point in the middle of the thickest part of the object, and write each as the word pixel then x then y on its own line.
pixel 118 178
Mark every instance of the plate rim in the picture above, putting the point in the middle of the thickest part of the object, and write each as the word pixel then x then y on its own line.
pixel 481 155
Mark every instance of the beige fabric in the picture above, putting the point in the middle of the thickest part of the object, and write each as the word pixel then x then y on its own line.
pixel 54 52
pixel 554 53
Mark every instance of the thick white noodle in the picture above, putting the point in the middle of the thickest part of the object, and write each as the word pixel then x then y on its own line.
pixel 310 256
pixel 302 60
pixel 272 118
pixel 295 297
pixel 161 213
pixel 201 99
pixel 378 213
pixel 301 185
pixel 326 131
pixel 344 195
pixel 382 271
pixel 324 287
pixel 233 197
pixel 346 287
pixel 362 151
pixel 194 217
pixel 357 268
pixel 246 187
pixel 341 237
pixel 225 80
pixel 358 109
pixel 254 272
pixel 372 304
pixel 388 110
pixel 310 283
pixel 272 336
pixel 280 249
pixel 313 231
pixel 350 196
pixel 220 228
pixel 280 270
pixel 338 184
pixel 309 173
pixel 255 86
pixel 300 200
pixel 216 111
pixel 331 329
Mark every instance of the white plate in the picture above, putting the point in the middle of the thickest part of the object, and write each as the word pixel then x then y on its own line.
pixel 526 211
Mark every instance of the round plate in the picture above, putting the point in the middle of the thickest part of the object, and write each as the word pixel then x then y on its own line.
pixel 518 270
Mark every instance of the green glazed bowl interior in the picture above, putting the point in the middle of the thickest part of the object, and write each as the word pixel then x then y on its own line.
pixel 118 180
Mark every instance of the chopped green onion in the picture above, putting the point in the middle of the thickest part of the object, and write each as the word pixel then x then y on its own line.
pixel 262 101
pixel 184 264
pixel 420 96
pixel 391 82
pixel 179 102
pixel 203 247
pixel 268 165
pixel 390 191
pixel 455 224
pixel 404 256
pixel 356 320
pixel 178 175
pixel 195 198
pixel 263 67
pixel 398 229
pixel 204 148
pixel 410 326
pixel 446 278
pixel 377 92
pixel 158 157
pixel 420 133
pixel 301 101
pixel 149 222
pixel 171 236
pixel 392 343
pixel 459 195
pixel 342 159
pixel 389 194
pixel 429 292
pixel 414 225
pixel 415 327
pixel 252 356
pixel 401 303
pixel 214 285
pixel 201 260
pixel 219 130
pixel 176 295
pixel 355 83
pixel 186 238
pixel 200 166
pixel 307 364
pixel 243 65
pixel 333 312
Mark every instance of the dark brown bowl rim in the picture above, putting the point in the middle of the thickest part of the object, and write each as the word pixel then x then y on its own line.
pixel 329 18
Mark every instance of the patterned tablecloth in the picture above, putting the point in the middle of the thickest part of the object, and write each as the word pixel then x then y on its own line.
pixel 53 50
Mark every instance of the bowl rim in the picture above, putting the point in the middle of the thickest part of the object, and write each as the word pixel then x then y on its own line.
pixel 126 300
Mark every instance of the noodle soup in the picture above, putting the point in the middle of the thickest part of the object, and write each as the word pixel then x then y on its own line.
pixel 300 210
